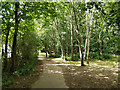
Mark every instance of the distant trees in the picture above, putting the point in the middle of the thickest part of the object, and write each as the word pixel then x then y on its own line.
pixel 79 27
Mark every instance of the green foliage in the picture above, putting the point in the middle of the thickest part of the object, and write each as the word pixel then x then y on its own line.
pixel 7 80
pixel 38 29
pixel 28 49
pixel 56 56
pixel 106 56
pixel 76 57
pixel 51 55
pixel 26 67
pixel 28 46
pixel 68 58
pixel 96 55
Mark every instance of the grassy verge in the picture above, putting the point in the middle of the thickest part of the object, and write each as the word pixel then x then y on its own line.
pixel 107 63
pixel 24 69
pixel 43 54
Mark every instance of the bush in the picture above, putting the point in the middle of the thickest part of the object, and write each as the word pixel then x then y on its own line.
pixel 51 55
pixel 25 68
pixel 106 56
pixel 95 55
pixel 57 55
pixel 28 47
pixel 7 80
pixel 68 58
pixel 75 57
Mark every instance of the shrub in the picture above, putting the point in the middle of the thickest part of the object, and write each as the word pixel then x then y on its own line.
pixel 75 58
pixel 68 58
pixel 95 55
pixel 106 56
pixel 51 55
pixel 26 67
pixel 57 55
pixel 28 47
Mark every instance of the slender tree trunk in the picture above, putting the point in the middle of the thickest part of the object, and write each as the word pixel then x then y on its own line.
pixel 78 38
pixel 46 53
pixel 67 50
pixel 100 43
pixel 2 49
pixel 6 44
pixel 54 44
pixel 89 39
pixel 88 46
pixel 76 48
pixel 54 49
pixel 82 61
pixel 71 24
pixel 61 42
pixel 86 37
pixel 15 38
pixel 46 46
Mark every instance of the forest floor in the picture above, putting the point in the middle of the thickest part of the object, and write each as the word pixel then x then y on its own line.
pixel 69 74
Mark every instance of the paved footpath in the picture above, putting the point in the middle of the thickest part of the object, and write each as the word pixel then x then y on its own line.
pixel 51 77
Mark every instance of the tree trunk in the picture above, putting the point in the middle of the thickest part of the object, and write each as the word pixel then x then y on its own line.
pixel 6 44
pixel 61 41
pixel 15 38
pixel 67 50
pixel 100 43
pixel 82 61
pixel 86 37
pixel 2 49
pixel 90 35
pixel 54 49
pixel 88 46
pixel 78 38
pixel 54 44
pixel 76 48
pixel 71 24
pixel 46 46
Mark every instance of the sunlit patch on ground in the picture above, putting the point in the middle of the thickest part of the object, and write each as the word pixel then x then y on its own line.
pixel 98 74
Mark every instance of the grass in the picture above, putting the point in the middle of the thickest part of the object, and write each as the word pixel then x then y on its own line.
pixel 111 63
pixel 106 63
pixel 43 54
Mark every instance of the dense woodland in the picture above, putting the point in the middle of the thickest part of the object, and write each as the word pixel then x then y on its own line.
pixel 74 31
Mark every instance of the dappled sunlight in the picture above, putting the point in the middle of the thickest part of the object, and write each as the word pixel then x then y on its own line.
pixel 57 59
pixel 59 64
pixel 53 71
pixel 94 76
pixel 78 65
pixel 54 39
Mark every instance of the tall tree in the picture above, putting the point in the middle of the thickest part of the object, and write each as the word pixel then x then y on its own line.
pixel 14 46
pixel 71 27
pixel 86 33
pixel 89 37
pixel 78 37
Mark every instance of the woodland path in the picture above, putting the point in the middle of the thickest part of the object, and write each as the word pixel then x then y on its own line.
pixel 51 77
pixel 54 73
